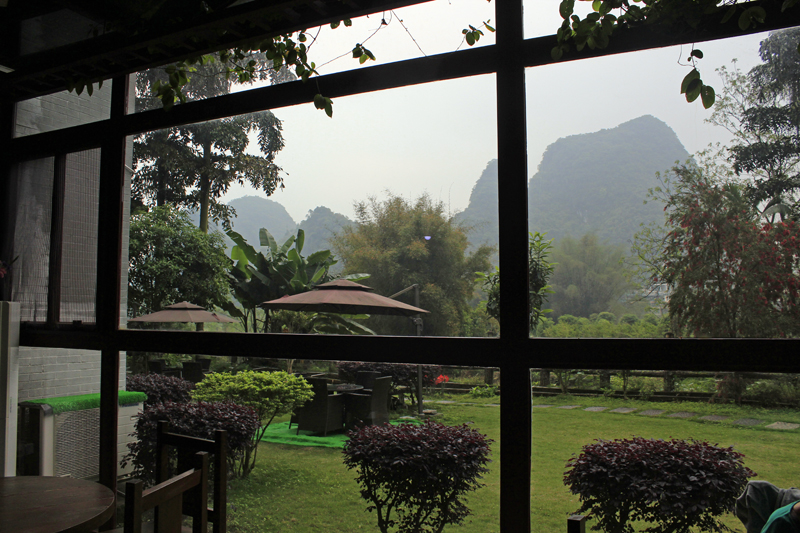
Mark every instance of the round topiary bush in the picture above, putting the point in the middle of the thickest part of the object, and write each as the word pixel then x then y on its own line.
pixel 160 388
pixel 676 484
pixel 199 419
pixel 415 477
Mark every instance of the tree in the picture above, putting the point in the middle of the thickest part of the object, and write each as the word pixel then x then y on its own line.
pixel 539 272
pixel 257 277
pixel 193 165
pixel 269 394
pixel 401 243
pixel 590 277
pixel 170 261
pixel 731 273
pixel 760 111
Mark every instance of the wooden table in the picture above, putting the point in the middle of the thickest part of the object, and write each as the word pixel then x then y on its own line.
pixel 38 504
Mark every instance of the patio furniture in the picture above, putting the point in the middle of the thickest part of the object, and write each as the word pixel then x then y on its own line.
pixel 366 378
pixel 186 446
pixel 369 409
pixel 193 371
pixel 324 413
pixel 185 493
pixel 306 376
pixel 159 366
pixel 50 504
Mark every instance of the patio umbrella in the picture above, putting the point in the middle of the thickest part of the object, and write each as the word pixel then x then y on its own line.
pixel 183 312
pixel 350 298
pixel 345 297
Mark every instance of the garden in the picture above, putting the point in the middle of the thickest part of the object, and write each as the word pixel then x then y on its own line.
pixel 285 487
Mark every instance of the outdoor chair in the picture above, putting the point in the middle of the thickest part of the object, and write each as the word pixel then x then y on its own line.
pixel 156 366
pixel 324 413
pixel 187 491
pixel 366 379
pixel 193 371
pixel 186 446
pixel 369 409
pixel 306 376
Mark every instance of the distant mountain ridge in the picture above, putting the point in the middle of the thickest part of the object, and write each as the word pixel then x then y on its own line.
pixel 588 183
pixel 580 187
pixel 255 212
pixel 597 182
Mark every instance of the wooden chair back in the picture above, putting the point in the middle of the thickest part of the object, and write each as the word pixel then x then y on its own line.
pixel 169 498
pixel 217 513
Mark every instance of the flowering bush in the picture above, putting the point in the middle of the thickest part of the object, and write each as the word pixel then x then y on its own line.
pixel 441 379
pixel 678 484
pixel 415 477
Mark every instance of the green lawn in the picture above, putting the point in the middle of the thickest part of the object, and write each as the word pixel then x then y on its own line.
pixel 308 489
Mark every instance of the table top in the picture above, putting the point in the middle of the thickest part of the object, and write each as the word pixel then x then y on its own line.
pixel 344 387
pixel 39 504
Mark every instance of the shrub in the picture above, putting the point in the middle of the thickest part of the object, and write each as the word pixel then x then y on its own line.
pixel 160 388
pixel 269 394
pixel 677 484
pixel 415 477
pixel 568 319
pixel 628 319
pixel 402 374
pixel 484 391
pixel 199 419
pixel 605 315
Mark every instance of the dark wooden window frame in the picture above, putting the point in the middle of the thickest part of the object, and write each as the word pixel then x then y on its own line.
pixel 514 352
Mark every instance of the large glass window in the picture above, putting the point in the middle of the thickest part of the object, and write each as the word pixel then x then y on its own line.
pixel 401 188
pixel 580 408
pixel 624 177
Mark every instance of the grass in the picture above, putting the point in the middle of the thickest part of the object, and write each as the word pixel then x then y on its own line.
pixel 308 489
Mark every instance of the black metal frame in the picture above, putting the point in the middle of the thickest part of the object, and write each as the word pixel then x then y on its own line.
pixel 514 352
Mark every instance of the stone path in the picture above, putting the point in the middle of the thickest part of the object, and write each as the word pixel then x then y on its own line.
pixel 657 413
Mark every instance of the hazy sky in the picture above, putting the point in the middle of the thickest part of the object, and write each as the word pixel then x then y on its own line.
pixel 438 138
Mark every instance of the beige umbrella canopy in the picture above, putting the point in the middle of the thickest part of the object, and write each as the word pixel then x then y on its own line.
pixel 183 312
pixel 345 297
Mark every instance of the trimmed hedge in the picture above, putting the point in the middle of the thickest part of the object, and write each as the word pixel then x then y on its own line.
pixel 416 476
pixel 160 388
pixel 676 484
pixel 200 419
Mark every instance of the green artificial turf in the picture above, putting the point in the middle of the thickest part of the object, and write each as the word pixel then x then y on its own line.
pixel 82 402
pixel 280 433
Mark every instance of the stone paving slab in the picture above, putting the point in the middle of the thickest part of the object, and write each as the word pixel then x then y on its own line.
pixel 444 401
pixel 652 412
pixel 623 410
pixel 595 409
pixel 543 406
pixel 783 425
pixel 682 414
pixel 748 422
pixel 568 406
pixel 714 418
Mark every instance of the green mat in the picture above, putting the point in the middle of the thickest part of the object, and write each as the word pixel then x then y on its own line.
pixel 63 404
pixel 281 434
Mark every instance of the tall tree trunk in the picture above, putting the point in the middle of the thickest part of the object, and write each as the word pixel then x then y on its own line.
pixel 205 187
